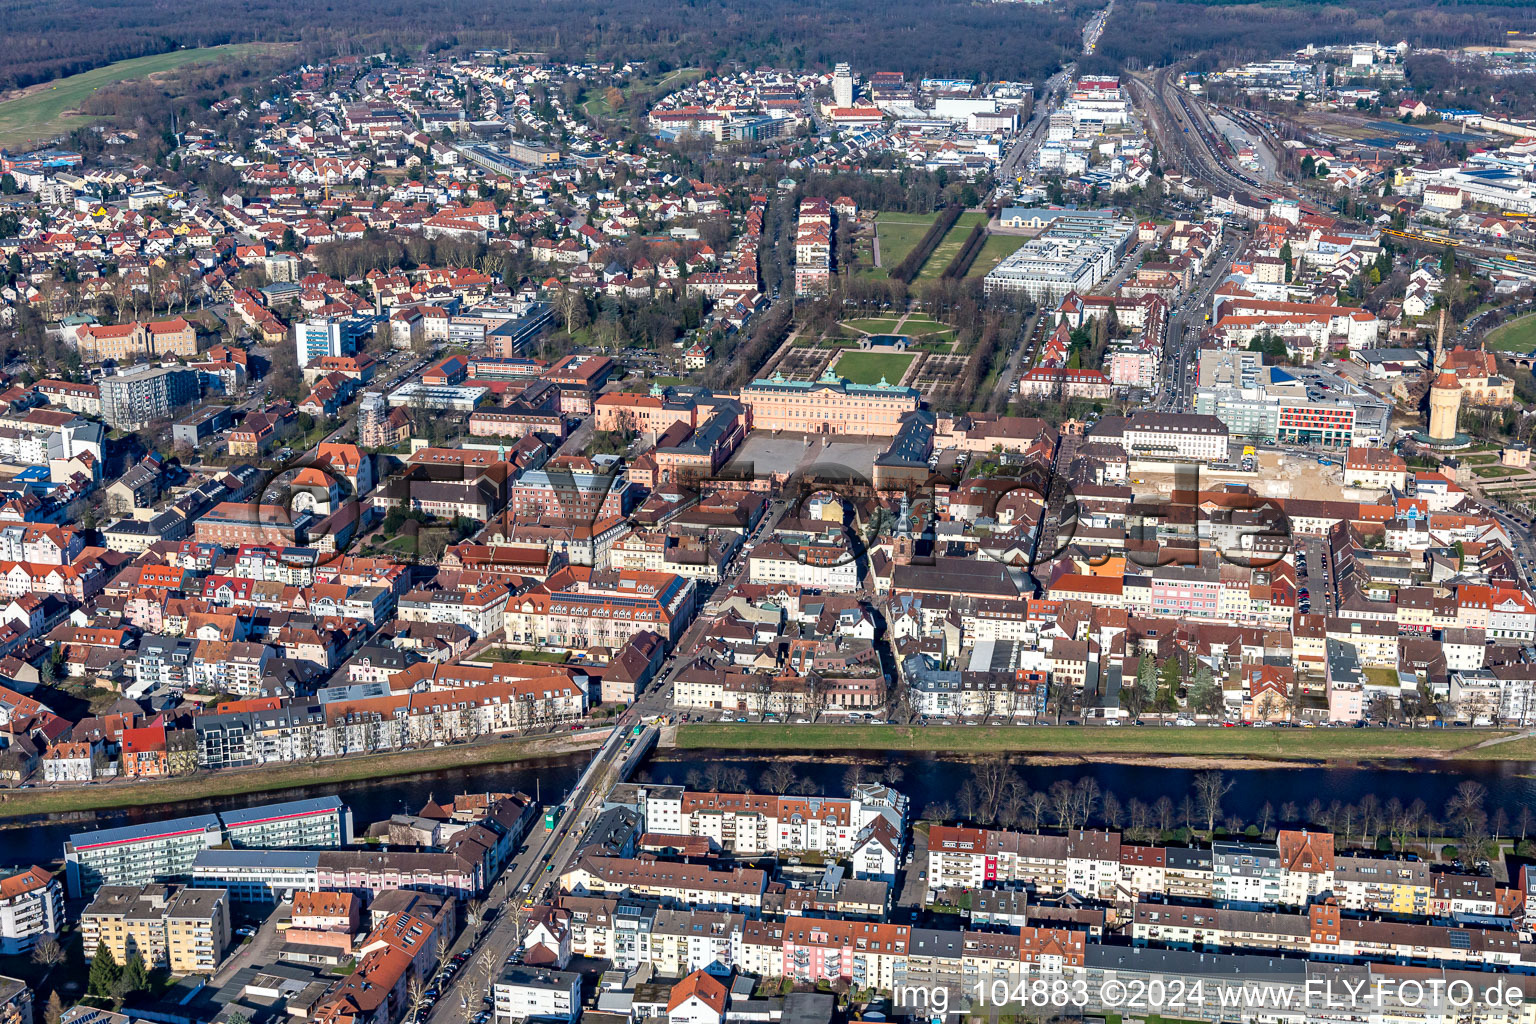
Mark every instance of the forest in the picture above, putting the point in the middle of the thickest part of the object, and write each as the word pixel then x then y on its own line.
pixel 46 39
pixel 1143 33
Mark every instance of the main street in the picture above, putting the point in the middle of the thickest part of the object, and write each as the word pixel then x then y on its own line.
pixel 535 870
pixel 1034 132
pixel 1181 349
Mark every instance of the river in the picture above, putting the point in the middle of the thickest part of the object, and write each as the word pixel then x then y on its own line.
pixel 41 840
pixel 926 779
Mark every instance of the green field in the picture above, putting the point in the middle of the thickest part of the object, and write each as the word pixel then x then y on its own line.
pixel 899 234
pixel 1491 471
pixel 949 248
pixel 1519 335
pixel 45 110
pixel 1282 744
pixel 994 251
pixel 596 104
pixel 869 367
pixel 872 326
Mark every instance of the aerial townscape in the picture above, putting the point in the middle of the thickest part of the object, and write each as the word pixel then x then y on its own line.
pixel 791 513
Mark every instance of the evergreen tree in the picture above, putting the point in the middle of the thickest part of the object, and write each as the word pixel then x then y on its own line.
pixel 135 974
pixel 1170 677
pixel 105 973
pixel 1285 254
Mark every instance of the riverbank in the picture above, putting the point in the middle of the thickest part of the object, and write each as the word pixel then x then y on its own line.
pixel 17 803
pixel 1210 747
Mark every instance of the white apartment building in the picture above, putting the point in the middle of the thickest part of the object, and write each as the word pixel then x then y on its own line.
pixel 524 993
pixel 31 908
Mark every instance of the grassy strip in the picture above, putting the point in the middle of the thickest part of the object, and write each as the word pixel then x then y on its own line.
pixel 949 246
pixel 907 269
pixel 45 110
pixel 236 782
pixel 1282 744
pixel 961 264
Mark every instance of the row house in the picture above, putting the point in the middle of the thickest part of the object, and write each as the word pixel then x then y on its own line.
pixel 1325 933
pixel 678 885
pixel 481 611
pixel 754 825
pixel 1298 867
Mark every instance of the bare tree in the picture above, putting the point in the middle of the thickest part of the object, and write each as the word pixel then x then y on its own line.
pixel 48 954
pixel 416 999
pixel 967 800
pixel 1210 787
pixel 1370 817
pixel 1063 802
pixel 474 918
pixel 991 777
pixel 778 778
pixel 1394 821
pixel 1015 802
pixel 1265 814
pixel 1162 812
pixel 1140 816
pixel 1288 812
pixel 1038 802
pixel 1346 820
pixel 1113 813
pixel 853 778
pixel 939 810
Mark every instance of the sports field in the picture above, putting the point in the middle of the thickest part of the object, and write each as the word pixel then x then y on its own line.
pixel 44 111
pixel 1519 335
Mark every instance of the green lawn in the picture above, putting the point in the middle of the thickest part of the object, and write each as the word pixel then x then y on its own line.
pixel 596 104
pixel 1519 335
pixel 869 367
pixel 45 111
pixel 948 249
pixel 1488 471
pixel 1285 744
pixel 899 234
pixel 872 326
pixel 996 249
